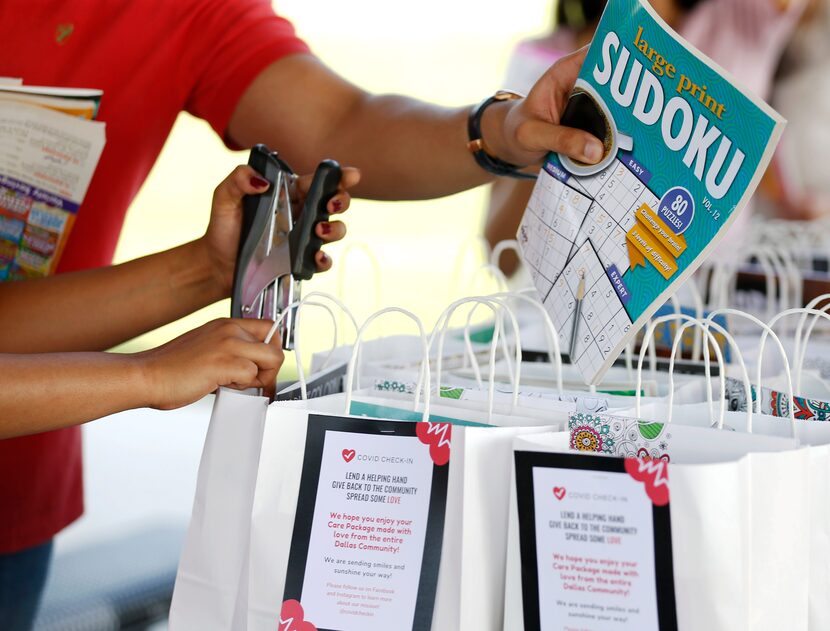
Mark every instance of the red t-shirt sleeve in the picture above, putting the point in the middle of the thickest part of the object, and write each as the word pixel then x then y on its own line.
pixel 239 39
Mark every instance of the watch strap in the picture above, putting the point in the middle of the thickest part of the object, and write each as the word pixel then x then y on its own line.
pixel 478 148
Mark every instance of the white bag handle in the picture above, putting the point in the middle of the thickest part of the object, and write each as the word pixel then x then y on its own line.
pixel 514 367
pixel 344 311
pixel 799 354
pixel 675 303
pixel 275 327
pixel 788 256
pixel 697 300
pixel 781 273
pixel 551 334
pixel 715 268
pixel 735 349
pixel 801 349
pixel 443 324
pixel 554 351
pixel 470 353
pixel 501 279
pixel 494 342
pixel 334 299
pixel 273 331
pixel 724 275
pixel 645 343
pixel 478 246
pixel 799 360
pixel 767 328
pixel 650 344
pixel 363 248
pixel 298 357
pixel 728 279
pixel 504 246
pixel 629 360
pixel 424 377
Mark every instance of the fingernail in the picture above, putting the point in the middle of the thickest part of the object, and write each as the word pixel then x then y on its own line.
pixel 336 206
pixel 593 151
pixel 323 258
pixel 258 182
pixel 325 227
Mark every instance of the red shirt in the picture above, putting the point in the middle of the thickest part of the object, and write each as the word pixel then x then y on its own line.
pixel 153 59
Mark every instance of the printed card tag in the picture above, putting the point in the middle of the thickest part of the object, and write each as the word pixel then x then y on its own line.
pixel 595 538
pixel 323 383
pixel 369 524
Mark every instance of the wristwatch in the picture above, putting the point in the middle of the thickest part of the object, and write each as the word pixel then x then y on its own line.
pixel 485 159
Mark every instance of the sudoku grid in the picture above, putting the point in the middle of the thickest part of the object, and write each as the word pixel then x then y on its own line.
pixel 582 225
pixel 603 318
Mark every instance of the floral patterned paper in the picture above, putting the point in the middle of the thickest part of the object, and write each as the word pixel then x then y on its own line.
pixel 775 403
pixel 619 436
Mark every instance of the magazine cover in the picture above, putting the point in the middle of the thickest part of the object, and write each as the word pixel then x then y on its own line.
pixel 685 147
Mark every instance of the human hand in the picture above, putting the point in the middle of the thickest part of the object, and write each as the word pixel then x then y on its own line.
pixel 226 352
pixel 530 127
pixel 221 241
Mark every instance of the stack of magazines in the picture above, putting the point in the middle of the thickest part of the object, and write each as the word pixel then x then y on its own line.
pixel 49 147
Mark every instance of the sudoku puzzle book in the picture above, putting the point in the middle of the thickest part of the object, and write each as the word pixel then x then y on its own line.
pixel 685 147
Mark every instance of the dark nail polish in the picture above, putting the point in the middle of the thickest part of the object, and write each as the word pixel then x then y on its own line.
pixel 325 227
pixel 323 258
pixel 337 206
pixel 258 182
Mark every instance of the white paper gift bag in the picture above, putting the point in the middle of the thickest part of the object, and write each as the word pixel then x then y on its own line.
pixel 470 581
pixel 470 577
pixel 738 522
pixel 348 519
pixel 313 551
pixel 273 513
pixel 814 436
pixel 471 584
pixel 212 569
pixel 783 415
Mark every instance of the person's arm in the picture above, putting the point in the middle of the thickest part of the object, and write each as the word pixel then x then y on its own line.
pixel 97 309
pixel 405 149
pixel 50 391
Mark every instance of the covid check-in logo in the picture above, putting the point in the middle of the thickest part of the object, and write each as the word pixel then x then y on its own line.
pixel 292 617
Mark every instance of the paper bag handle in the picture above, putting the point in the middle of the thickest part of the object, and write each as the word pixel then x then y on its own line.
pixel 801 346
pixel 424 378
pixel 737 352
pixel 443 323
pixel 767 328
pixel 343 255
pixel 554 351
pixel 645 344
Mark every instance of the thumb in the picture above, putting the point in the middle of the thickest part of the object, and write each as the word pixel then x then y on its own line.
pixel 538 135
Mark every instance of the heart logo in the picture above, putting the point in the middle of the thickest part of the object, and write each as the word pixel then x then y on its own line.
pixel 654 474
pixel 292 618
pixel 559 492
pixel 348 454
pixel 437 436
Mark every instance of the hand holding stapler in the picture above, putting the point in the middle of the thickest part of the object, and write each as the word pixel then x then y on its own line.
pixel 276 251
